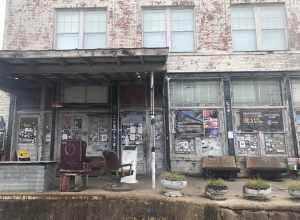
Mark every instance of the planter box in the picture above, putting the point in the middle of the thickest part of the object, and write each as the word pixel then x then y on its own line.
pixel 215 194
pixel 257 194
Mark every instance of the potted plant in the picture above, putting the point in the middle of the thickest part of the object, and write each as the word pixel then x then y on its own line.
pixel 216 189
pixel 173 183
pixel 257 189
pixel 294 190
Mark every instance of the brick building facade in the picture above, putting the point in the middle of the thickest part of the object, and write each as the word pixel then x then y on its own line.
pixel 229 85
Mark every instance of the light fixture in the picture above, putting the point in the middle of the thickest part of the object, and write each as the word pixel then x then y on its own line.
pixel 138 75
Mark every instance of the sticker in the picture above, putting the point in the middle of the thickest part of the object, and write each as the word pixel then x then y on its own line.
pixel 230 134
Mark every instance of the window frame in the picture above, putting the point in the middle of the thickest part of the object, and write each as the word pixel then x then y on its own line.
pixel 259 27
pixel 260 135
pixel 219 107
pixel 168 31
pixel 82 13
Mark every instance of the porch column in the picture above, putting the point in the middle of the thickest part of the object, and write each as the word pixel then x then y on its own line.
pixel 152 119
pixel 41 128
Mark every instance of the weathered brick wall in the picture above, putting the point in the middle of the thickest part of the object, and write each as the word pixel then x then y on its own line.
pixel 31 23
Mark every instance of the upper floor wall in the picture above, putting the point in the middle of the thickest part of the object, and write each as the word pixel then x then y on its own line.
pixel 31 24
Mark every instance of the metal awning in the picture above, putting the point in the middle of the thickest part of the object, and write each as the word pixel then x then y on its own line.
pixel 94 65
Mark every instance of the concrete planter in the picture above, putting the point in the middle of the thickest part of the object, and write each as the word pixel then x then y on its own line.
pixel 255 194
pixel 173 188
pixel 215 194
pixel 173 185
pixel 295 194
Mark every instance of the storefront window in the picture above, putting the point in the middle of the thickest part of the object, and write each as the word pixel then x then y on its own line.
pixel 196 115
pixel 256 92
pixel 187 93
pixel 258 130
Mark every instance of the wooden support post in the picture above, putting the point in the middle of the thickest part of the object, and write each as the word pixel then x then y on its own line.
pixel 41 129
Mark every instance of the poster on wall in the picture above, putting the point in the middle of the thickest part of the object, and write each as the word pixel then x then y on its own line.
pixel 98 135
pixel 197 131
pixel 211 123
pixel 185 145
pixel 264 120
pixel 189 122
pixel 247 144
pixel 275 144
pixel 28 128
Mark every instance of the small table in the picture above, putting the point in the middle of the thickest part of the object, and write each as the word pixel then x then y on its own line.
pixel 73 180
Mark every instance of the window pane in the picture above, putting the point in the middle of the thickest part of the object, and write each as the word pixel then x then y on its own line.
pixel 188 93
pixel 243 92
pixel 182 41
pixel 154 21
pixel 273 40
pixel 272 17
pixel 93 41
pixel 96 94
pixel 67 41
pixel 68 22
pixel 296 93
pixel 242 18
pixel 269 92
pixel 182 20
pixel 244 40
pixel 256 92
pixel 155 39
pixel 74 94
pixel 95 21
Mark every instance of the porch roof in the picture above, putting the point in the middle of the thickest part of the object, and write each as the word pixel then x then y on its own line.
pixel 96 65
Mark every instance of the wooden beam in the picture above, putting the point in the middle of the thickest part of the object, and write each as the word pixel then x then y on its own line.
pixel 83 68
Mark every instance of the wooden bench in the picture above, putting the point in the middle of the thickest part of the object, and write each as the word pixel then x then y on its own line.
pixel 269 167
pixel 221 166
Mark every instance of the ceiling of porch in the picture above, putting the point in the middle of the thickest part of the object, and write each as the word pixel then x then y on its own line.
pixel 20 68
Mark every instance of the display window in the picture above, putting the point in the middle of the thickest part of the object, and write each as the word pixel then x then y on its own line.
pixel 196 118
pixel 258 118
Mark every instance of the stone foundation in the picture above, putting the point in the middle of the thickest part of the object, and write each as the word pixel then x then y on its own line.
pixel 106 206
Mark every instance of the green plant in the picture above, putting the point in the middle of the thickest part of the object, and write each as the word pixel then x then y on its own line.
pixel 172 176
pixel 217 184
pixel 295 186
pixel 257 184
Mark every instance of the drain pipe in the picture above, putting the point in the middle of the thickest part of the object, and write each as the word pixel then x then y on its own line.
pixel 152 117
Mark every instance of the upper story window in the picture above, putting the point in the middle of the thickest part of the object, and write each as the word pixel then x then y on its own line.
pixel 80 29
pixel 259 27
pixel 167 27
